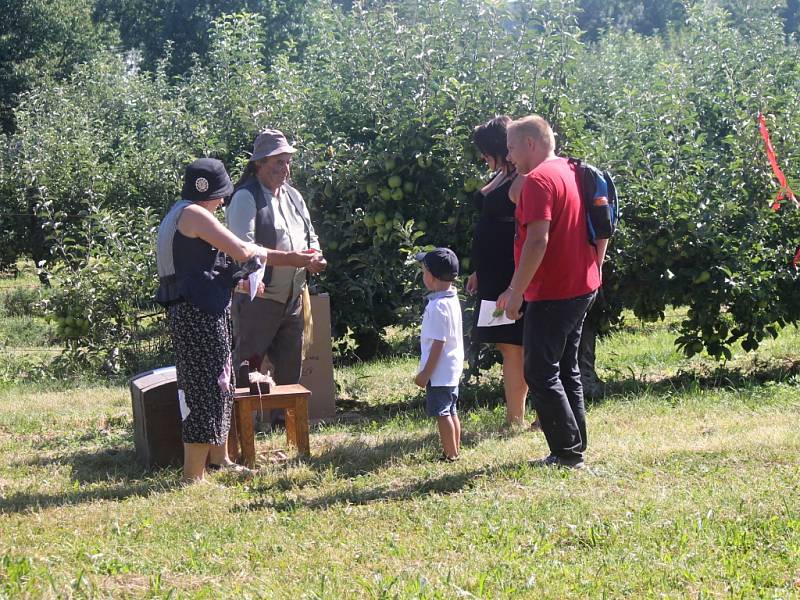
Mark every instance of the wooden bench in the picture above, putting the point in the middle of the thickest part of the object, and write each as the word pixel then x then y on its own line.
pixel 293 399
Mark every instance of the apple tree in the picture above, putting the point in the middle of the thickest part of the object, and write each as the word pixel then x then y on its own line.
pixel 675 120
pixel 383 107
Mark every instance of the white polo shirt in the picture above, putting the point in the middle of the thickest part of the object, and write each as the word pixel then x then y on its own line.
pixel 442 321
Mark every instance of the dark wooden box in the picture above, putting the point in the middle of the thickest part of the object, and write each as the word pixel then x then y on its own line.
pixel 157 418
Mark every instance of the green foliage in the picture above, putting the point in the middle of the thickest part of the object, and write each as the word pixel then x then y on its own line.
pixel 385 113
pixel 111 138
pixel 149 26
pixel 16 572
pixel 25 332
pixel 641 16
pixel 677 124
pixel 21 301
pixel 102 308
pixel 649 17
pixel 42 40
pixel 98 160
pixel 382 108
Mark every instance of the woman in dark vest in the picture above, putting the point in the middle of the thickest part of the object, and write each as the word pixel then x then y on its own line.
pixel 195 282
pixel 493 261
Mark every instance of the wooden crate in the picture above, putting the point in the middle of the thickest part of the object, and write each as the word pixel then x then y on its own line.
pixel 157 418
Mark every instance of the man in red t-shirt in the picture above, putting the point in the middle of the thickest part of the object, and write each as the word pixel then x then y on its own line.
pixel 557 273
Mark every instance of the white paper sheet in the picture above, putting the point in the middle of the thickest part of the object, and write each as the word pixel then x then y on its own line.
pixel 486 318
pixel 185 410
pixel 255 277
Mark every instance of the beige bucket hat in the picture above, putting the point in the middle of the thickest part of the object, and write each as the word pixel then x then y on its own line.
pixel 269 143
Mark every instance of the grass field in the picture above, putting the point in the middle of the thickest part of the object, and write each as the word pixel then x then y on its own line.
pixel 692 492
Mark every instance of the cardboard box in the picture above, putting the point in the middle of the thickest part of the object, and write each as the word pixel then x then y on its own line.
pixel 317 373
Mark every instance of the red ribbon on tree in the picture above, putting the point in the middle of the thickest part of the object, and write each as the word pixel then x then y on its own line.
pixel 785 193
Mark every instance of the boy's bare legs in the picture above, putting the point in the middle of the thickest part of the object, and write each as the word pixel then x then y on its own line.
pixel 457 427
pixel 514 385
pixel 449 433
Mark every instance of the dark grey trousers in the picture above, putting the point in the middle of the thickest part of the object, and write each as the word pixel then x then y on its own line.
pixel 267 328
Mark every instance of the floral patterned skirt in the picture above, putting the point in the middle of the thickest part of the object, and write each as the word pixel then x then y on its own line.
pixel 206 384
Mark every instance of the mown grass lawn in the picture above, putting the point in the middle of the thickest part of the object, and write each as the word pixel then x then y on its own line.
pixel 693 491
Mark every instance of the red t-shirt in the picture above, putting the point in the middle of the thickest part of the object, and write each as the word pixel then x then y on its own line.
pixel 569 267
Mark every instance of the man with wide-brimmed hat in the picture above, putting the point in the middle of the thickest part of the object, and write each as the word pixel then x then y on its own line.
pixel 266 210
pixel 195 281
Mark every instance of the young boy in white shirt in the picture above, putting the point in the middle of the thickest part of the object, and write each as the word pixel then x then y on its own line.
pixel 442 347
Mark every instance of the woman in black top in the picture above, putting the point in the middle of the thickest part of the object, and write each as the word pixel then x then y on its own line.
pixel 195 283
pixel 493 261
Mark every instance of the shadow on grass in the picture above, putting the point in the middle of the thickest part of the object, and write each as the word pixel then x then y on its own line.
pixel 111 456
pixel 485 393
pixel 351 460
pixel 106 474
pixel 723 377
pixel 449 483
pixel 112 472
pixel 108 464
pixel 368 413
pixel 21 502
pixel 355 458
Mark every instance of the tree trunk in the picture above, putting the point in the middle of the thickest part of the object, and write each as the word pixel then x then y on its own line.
pixel 593 386
pixel 37 247
pixel 790 16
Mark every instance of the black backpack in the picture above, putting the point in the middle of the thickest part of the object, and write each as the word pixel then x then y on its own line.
pixel 600 200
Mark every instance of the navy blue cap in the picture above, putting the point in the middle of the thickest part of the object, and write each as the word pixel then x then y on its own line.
pixel 441 262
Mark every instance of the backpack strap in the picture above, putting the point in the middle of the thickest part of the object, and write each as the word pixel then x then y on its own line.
pixel 613 200
pixel 587 186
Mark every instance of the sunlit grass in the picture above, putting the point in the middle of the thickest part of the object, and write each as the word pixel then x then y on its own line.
pixel 689 494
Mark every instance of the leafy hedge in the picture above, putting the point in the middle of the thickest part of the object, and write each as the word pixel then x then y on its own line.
pixel 382 108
